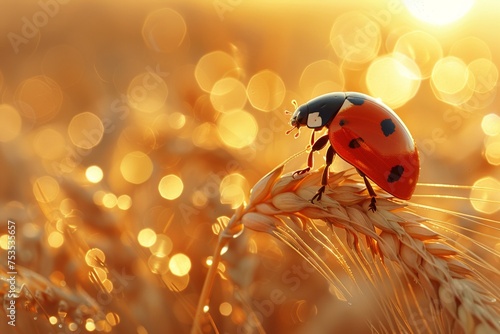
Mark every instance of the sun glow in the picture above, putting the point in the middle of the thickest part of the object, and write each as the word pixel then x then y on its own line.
pixel 439 12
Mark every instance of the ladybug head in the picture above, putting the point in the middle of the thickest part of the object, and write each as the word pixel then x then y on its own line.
pixel 318 112
pixel 299 117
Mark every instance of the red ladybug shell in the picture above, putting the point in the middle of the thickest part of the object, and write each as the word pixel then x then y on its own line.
pixel 372 138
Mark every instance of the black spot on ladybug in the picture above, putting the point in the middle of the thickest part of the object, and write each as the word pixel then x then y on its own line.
pixel 395 174
pixel 342 122
pixel 356 142
pixel 356 100
pixel 388 127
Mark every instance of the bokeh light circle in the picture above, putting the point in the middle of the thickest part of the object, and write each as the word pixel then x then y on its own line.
pixel 170 187
pixel 485 74
pixel 162 247
pixel 147 92
pixel 233 189
pixel 94 174
pixel 39 98
pixel 321 77
pixel 355 38
pixel 469 49
pixel 212 67
pixel 423 48
pixel 485 195
pixel 146 237
pixel 491 124
pixel 228 94
pixel 266 90
pixel 395 80
pixel 450 81
pixel 164 30
pixel 85 130
pixel 136 167
pixel 180 264
pixel 237 128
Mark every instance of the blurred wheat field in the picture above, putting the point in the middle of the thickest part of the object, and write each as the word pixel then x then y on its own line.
pixel 131 130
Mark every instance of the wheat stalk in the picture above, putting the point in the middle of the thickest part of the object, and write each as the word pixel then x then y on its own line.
pixel 395 239
pixel 37 295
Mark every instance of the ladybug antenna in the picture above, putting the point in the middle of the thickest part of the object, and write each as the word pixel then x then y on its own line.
pixel 295 104
pixel 297 134
pixel 288 112
pixel 290 131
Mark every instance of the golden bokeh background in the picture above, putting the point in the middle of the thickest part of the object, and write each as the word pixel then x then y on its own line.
pixel 128 127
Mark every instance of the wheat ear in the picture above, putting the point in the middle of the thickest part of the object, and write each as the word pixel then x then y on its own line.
pixel 37 295
pixel 462 299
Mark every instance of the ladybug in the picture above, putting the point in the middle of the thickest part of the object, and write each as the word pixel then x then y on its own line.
pixel 367 134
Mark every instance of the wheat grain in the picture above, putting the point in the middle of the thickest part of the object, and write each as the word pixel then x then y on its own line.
pixel 397 239
pixel 38 295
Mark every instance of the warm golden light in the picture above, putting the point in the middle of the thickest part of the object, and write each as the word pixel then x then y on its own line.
pixel 109 200
pixel 90 325
pixel 212 67
pixel 85 130
pixel 225 309
pixel 40 98
pixel 176 120
pixel 133 135
pixel 491 124
pixel 393 79
pixel 485 73
pixel 355 38
pixel 113 318
pixel 423 48
pixel 124 202
pixel 4 241
pixel 55 239
pixel 136 167
pixel 94 174
pixel 147 92
pixel 179 264
pixel 492 152
pixel 146 237
pixel 170 187
pixel 439 12
pixel 95 257
pixel 233 190
pixel 485 195
pixel 158 265
pixel 237 128
pixel 205 136
pixel 162 246
pixel 451 81
pixel 266 91
pixel 228 94
pixel 321 77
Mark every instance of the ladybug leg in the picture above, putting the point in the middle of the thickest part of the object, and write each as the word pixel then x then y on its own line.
pixel 373 206
pixel 315 146
pixel 330 153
